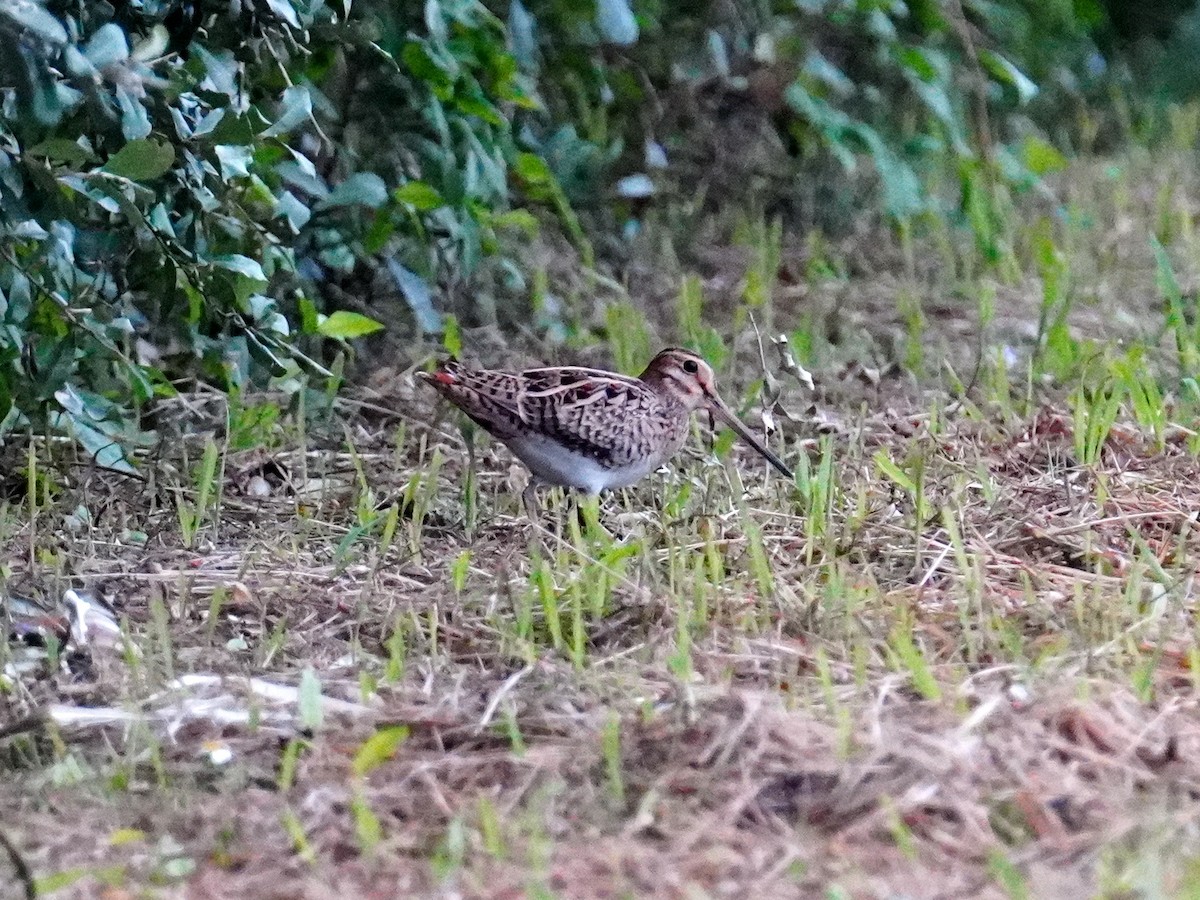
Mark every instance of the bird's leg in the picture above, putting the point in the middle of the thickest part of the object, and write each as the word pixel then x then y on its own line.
pixel 539 543
pixel 529 498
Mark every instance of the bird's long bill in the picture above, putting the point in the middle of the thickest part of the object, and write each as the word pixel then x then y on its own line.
pixel 725 415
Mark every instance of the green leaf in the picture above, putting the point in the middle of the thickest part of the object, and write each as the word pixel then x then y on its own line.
pixel 901 188
pixel 31 17
pixel 452 337
pixel 345 325
pixel 617 22
pixel 309 317
pixel 242 265
pixel 1006 72
pixel 234 129
pixel 417 294
pixel 292 209
pixel 439 74
pixel 817 66
pixel 520 219
pixel 160 218
pixel 104 449
pixel 39 93
pixel 472 106
pixel 62 150
pixel 360 189
pixel 135 121
pixel 234 159
pixel 285 11
pixel 107 46
pixel 419 195
pixel 1041 157
pixel 141 160
pixel 522 37
pixel 295 107
pixel 248 277
pixel 380 232
pixel 916 61
pixel 534 170
pixel 377 749
pixel 885 465
pixel 258 307
pixel 221 71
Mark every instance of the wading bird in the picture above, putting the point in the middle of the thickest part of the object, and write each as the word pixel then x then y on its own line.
pixel 587 428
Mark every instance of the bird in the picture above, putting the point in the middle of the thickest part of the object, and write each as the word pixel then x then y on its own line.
pixel 587 428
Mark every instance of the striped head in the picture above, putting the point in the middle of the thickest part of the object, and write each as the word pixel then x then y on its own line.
pixel 682 376
pixel 685 378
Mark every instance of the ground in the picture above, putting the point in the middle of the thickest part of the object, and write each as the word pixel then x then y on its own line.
pixel 958 658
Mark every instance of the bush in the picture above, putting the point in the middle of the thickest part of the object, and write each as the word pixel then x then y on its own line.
pixel 186 184
pixel 903 87
pixel 179 180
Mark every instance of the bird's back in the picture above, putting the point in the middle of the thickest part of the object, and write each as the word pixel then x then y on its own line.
pixel 612 419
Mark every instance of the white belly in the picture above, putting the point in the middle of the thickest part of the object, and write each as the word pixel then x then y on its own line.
pixel 555 464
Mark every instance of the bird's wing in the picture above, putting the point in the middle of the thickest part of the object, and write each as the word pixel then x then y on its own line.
pixel 606 416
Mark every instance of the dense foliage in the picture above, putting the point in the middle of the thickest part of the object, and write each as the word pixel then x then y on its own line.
pixel 199 187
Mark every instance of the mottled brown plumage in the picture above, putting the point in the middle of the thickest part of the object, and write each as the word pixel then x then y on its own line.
pixel 587 428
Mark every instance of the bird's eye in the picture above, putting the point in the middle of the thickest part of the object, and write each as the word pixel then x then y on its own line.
pixel 691 366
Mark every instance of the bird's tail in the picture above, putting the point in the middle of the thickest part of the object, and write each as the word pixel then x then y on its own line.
pixel 444 375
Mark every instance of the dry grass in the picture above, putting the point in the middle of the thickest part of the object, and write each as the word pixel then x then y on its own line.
pixel 959 662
